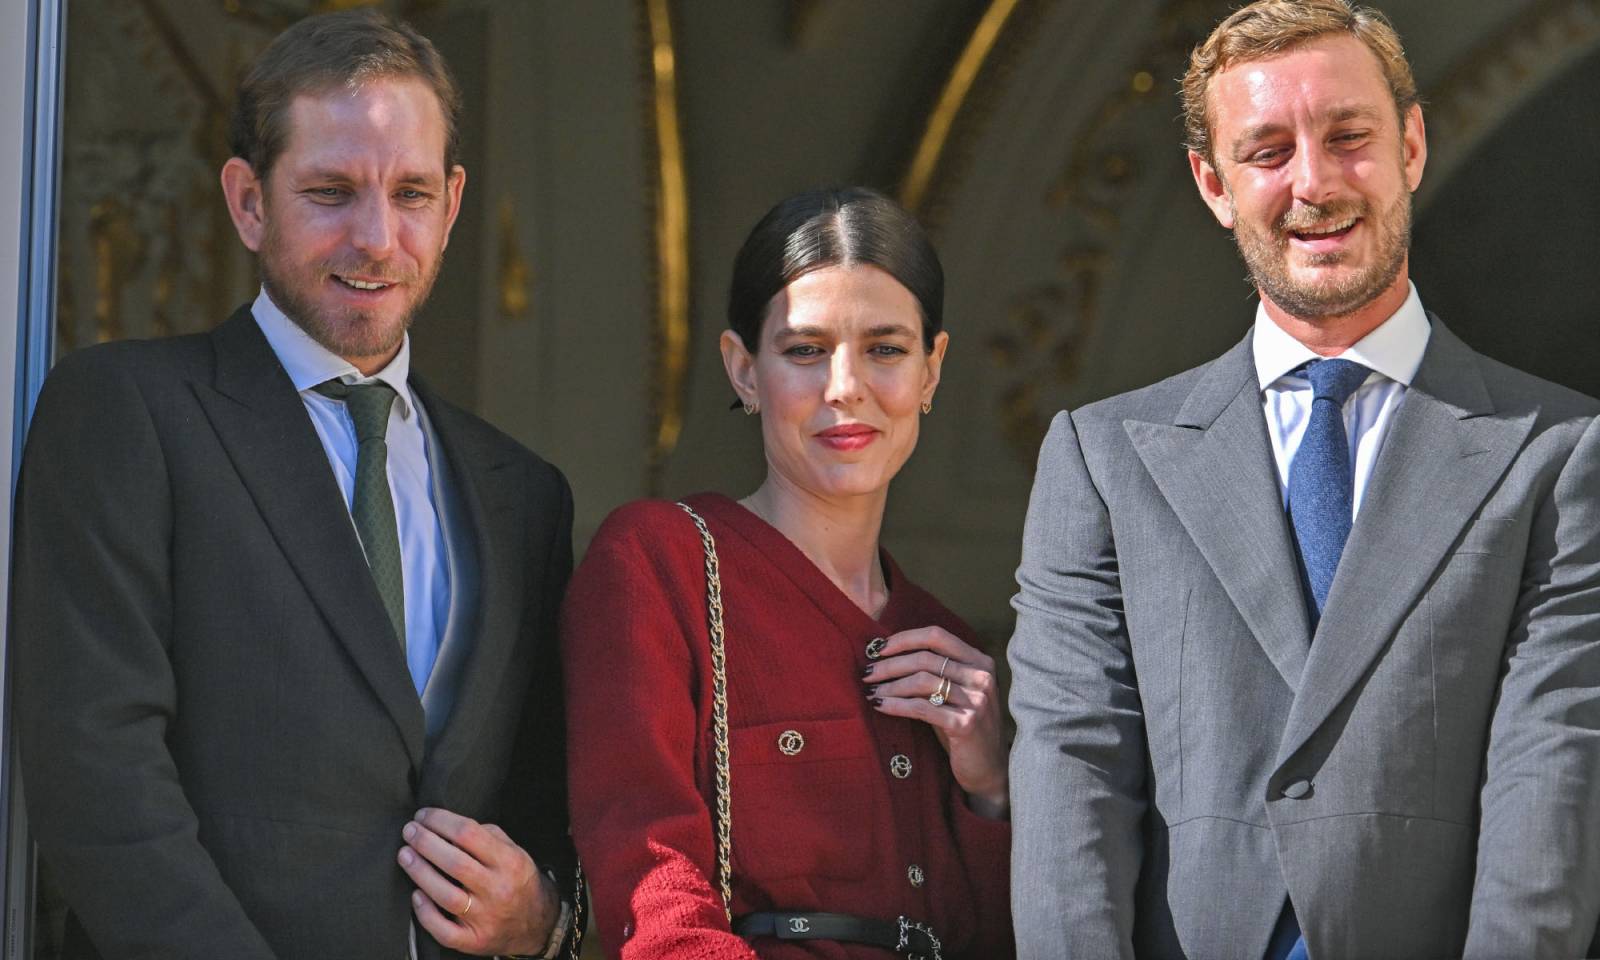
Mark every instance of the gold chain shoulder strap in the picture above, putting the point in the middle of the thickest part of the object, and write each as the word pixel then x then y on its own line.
pixel 719 714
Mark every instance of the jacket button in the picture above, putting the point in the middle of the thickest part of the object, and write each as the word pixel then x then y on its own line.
pixel 914 874
pixel 1297 788
pixel 900 766
pixel 790 742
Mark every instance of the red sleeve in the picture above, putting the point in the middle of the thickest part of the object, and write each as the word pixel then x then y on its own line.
pixel 985 847
pixel 641 826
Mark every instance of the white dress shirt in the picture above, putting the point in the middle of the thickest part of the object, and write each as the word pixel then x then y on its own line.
pixel 1393 352
pixel 424 559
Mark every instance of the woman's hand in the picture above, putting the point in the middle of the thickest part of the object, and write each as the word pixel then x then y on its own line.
pixel 914 666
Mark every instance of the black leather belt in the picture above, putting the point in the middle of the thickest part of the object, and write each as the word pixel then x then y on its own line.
pixel 906 937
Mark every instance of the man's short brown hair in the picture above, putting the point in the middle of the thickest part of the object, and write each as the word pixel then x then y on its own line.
pixel 1268 28
pixel 321 53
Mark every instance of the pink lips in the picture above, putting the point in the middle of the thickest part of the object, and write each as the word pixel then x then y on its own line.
pixel 848 436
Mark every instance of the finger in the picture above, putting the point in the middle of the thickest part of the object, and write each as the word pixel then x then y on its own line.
pixel 947 718
pixel 444 893
pixel 938 640
pixel 446 856
pixel 928 662
pixel 917 685
pixel 465 833
pixel 449 933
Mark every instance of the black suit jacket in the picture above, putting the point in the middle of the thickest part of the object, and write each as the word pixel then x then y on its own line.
pixel 219 737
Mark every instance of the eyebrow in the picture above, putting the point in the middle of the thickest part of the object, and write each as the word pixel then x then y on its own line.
pixel 329 173
pixel 1337 115
pixel 883 330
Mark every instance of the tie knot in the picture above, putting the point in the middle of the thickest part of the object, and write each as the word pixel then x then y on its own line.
pixel 1335 380
pixel 368 403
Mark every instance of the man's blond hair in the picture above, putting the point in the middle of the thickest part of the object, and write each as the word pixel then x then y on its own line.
pixel 1268 28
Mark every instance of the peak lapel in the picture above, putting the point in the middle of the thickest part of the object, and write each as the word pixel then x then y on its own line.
pixel 1214 466
pixel 487 484
pixel 1445 451
pixel 263 425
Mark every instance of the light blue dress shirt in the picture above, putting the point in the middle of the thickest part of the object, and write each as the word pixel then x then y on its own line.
pixel 424 556
pixel 1393 352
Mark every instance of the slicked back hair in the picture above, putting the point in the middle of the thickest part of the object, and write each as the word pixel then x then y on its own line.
pixel 846 226
pixel 323 53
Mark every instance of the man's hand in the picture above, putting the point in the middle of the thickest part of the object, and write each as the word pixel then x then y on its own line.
pixel 477 891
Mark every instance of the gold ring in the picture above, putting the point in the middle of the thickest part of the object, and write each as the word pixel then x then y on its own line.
pixel 942 666
pixel 468 908
pixel 939 696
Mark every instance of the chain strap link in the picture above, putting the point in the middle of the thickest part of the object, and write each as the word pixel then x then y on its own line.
pixel 719 714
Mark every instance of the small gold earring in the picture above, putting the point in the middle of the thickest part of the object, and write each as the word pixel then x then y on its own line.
pixel 751 409
pixel 927 406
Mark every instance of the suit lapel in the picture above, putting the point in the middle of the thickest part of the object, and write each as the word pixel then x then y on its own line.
pixel 1215 468
pixel 266 432
pixel 489 489
pixel 1444 453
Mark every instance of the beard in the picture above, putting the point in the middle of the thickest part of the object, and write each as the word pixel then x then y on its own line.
pixel 1266 256
pixel 347 332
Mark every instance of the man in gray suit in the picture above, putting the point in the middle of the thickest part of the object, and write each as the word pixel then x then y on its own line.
pixel 1307 658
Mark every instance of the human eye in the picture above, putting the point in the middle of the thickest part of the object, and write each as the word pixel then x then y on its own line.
pixel 887 350
pixel 326 193
pixel 1351 138
pixel 803 351
pixel 1268 157
pixel 413 195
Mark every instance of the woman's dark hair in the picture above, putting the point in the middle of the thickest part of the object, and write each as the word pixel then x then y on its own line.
pixel 830 228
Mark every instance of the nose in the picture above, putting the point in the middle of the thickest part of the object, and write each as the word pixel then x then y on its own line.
pixel 844 379
pixel 373 227
pixel 1316 173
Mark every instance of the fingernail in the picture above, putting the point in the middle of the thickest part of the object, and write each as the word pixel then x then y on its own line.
pixel 406 857
pixel 867 670
pixel 876 701
pixel 416 898
pixel 421 815
pixel 408 831
pixel 873 690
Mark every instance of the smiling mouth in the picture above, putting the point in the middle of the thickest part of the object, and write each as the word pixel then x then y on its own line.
pixel 1326 232
pixel 362 284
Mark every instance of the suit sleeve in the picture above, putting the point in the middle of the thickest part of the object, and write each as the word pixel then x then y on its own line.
pixel 95 692
pixel 1537 887
pixel 1078 763
pixel 641 824
pixel 535 801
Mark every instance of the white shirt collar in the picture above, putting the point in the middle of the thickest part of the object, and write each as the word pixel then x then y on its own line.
pixel 309 363
pixel 1394 349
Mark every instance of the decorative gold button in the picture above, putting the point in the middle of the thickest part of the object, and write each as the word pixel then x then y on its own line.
pixel 875 648
pixel 914 874
pixel 900 766
pixel 790 742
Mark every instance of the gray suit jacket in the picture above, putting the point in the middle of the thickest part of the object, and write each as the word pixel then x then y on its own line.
pixel 1422 776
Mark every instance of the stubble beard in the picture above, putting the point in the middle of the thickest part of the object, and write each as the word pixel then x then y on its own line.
pixel 1266 257
pixel 346 333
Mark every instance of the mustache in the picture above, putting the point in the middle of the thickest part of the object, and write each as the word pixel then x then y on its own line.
pixel 379 272
pixel 1304 216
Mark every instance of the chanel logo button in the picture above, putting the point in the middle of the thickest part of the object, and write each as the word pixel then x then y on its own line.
pixel 790 742
pixel 875 648
pixel 914 874
pixel 900 766
pixel 799 924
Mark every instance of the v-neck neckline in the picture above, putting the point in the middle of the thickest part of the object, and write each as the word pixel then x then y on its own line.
pixel 784 554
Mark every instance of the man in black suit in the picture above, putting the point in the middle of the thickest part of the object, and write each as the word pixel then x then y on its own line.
pixel 284 618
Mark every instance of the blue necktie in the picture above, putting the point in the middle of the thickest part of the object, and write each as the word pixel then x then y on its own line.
pixel 1321 478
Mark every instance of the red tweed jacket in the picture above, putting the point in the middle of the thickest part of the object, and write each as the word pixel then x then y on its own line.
pixel 827 828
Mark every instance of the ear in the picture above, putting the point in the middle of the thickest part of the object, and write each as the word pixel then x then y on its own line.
pixel 246 196
pixel 1213 190
pixel 453 188
pixel 741 366
pixel 1415 147
pixel 935 362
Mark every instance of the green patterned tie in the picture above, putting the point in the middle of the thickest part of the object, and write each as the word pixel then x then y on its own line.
pixel 372 507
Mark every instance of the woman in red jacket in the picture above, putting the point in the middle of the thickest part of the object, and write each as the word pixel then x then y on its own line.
pixel 858 731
